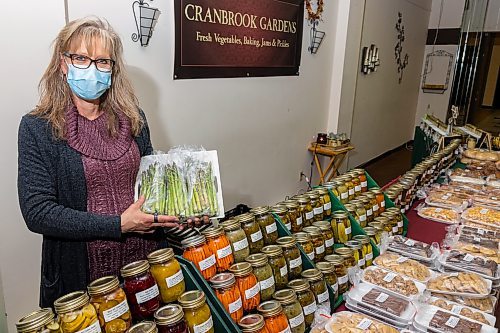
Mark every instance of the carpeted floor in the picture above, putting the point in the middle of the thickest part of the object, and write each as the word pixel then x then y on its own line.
pixel 386 168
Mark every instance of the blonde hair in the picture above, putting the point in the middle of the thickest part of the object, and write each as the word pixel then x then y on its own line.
pixel 55 94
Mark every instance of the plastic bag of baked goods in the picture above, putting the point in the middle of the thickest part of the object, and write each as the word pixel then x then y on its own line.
pixel 438 214
pixel 456 260
pixel 414 249
pixel 482 215
pixel 393 282
pixel 462 310
pixel 484 304
pixel 346 322
pixel 321 317
pixel 460 284
pixel 404 265
pixel 474 249
pixel 449 200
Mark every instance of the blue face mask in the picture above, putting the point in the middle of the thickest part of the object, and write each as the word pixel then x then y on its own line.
pixel 89 83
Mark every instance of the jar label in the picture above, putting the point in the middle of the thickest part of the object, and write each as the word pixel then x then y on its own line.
pixel 382 204
pixel 375 208
pixel 175 279
pixel 382 297
pixel 400 224
pixel 361 263
pixel 299 220
pixel 343 279
pixel 235 306
pixel 348 231
pixel 351 191
pixel 335 287
pixel 288 226
pixel 364 324
pixel 320 249
pixel 271 228
pixel 295 262
pixel 267 283
pixel 468 257
pixel 94 328
pixel 369 256
pixel 410 242
pixel 251 292
pixel 344 195
pixel 329 242
pixel 364 184
pixel 286 330
pixel 452 322
pixel 148 294
pixel 204 327
pixel 311 255
pixel 311 308
pixel 318 210
pixel 256 236
pixel 283 271
pixel 369 212
pixel 327 206
pixel 389 277
pixel 116 311
pixel 309 215
pixel 224 252
pixel 403 210
pixel 362 218
pixel 357 188
pixel 395 229
pixel 240 245
pixel 323 297
pixel 207 263
pixel 456 309
pixel 296 321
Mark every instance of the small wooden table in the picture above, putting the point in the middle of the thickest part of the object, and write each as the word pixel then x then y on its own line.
pixel 336 155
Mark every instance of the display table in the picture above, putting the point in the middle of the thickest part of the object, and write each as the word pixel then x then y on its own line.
pixel 336 156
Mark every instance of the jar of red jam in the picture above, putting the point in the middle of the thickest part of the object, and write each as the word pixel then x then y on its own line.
pixel 170 319
pixel 141 289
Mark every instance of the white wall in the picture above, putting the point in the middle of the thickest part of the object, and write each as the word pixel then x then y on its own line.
pixel 451 16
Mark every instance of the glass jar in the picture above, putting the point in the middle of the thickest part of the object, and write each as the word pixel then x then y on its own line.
pixel 282 213
pixel 40 321
pixel 148 327
pixel 277 262
pixel 327 231
pixel 295 215
pixel 340 271
pixel 264 274
pixel 267 224
pixel 360 211
pixel 306 299
pixel 228 294
pixel 253 232
pixel 253 323
pixel 292 256
pixel 348 260
pixel 326 201
pixel 328 270
pixel 318 242
pixel 368 207
pixel 304 240
pixel 392 221
pixel 318 285
pixel 248 285
pixel 305 209
pixel 199 253
pixel 351 191
pixel 385 223
pixel 399 219
pixel 111 304
pixel 168 274
pixel 274 317
pixel 379 196
pixel 237 238
pixel 351 209
pixel 292 309
pixel 366 248
pixel 341 226
pixel 170 319
pixel 316 204
pixel 196 312
pixel 357 183
pixel 363 179
pixel 219 245
pixel 141 289
pixel 343 191
pixel 332 186
pixel 77 313
pixel 357 251
pixel 370 232
pixel 374 203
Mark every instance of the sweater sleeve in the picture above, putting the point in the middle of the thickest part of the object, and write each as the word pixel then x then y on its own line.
pixel 37 193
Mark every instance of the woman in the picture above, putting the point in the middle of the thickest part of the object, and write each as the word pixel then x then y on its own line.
pixel 79 153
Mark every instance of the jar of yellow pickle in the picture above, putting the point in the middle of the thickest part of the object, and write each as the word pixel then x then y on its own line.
pixel 316 204
pixel 76 313
pixel 318 242
pixel 341 226
pixel 385 223
pixel 332 186
pixel 368 207
pixel 282 213
pixel 340 270
pixel 196 312
pixel 167 273
pixel 370 232
pixel 328 270
pixel 399 218
pixel 366 248
pixel 357 251
pixel 111 304
pixel 305 209
pixel 295 214
pixel 350 186
pixel 352 210
pixel 327 231
pixel 40 321
pixel 342 190
pixel 374 203
pixel 348 260
pixel 393 222
pixel 325 200
pixel 360 211
pixel 304 240
pixel 356 181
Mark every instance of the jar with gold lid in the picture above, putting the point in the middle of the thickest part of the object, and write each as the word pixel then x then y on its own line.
pixel 356 181
pixel 332 186
pixel 170 319
pixel 318 242
pixel 220 246
pixel 147 327
pixel 385 223
pixel 292 309
pixel 196 311
pixel 352 210
pixel 368 207
pixel 393 222
pixel 306 299
pixel 282 212
pixel 228 294
pixel 253 231
pixel 253 323
pixel 237 238
pixel 167 273
pixel 357 251
pixel 305 209
pixel 110 300
pixel 316 204
pixel 291 253
pixel 374 203
pixel 328 270
pixel 371 232
pixel 304 240
pixel 399 219
pixel 248 285
pixel 348 259
pixel 363 179
pixel 295 215
pixel 351 191
pixel 327 231
pixel 379 196
pixel 278 264
pixel 40 321
pixel 341 226
pixel 76 313
pixel 366 248
pixel 318 285
pixel 342 190
pixel 267 224
pixel 360 211
pixel 275 319
pixel 326 201
pixel 340 271
pixel 200 254
pixel 264 274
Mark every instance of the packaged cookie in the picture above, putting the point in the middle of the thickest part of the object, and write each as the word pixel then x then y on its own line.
pixel 433 318
pixel 411 248
pixel 460 284
pixel 438 214
pixel 489 253
pixel 462 310
pixel 450 200
pixel 392 282
pixel 463 261
pixel 403 265
pixel 482 215
pixel 348 322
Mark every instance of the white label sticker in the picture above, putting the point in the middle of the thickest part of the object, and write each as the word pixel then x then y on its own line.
pixel 311 308
pixel 309 215
pixel 395 229
pixel 362 218
pixel 174 279
pixel 348 231
pixel 357 188
pixel 296 321
pixel 311 255
pixel 453 274
pixel 369 256
pixel 286 330
pixel 389 277
pixel 335 287
pixel 320 249
pixel 375 208
pixel 410 242
pixel 456 309
pixel 400 224
pixel 382 204
pixel 295 262
pixel 364 324
pixel 343 279
pixel 283 271
pixel 267 283
pixel 344 195
pixel 115 312
pixel 148 294
pixel 452 322
pixel 318 210
pixel 240 245
pixel 402 260
pixel 327 206
pixel 204 327
pixel 402 210
pixel 351 191
pixel 361 263
pixel 323 297
pixel 477 239
pixel 494 198
pixel 369 212
pixel 469 257
pixel 299 220
pixel 382 297
pixel 207 263
pixel 364 184
pixel 438 210
pixel 235 306
pixel 251 292
pixel 288 226
pixel 480 231
pixel 94 328
pixel 484 211
pixel 224 252
pixel 329 242
pixel 445 197
pixel 271 228
pixel 256 236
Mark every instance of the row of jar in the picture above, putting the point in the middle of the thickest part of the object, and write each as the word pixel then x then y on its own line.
pixel 348 186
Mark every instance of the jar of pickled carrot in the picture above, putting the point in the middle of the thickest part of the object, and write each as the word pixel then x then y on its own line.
pixel 199 253
pixel 228 294
pixel 248 285
pixel 275 319
pixel 219 245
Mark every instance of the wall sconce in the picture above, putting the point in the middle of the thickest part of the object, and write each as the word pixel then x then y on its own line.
pixel 145 20
pixel 371 59
pixel 316 38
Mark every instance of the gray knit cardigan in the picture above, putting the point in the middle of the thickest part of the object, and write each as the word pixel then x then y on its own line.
pixel 53 201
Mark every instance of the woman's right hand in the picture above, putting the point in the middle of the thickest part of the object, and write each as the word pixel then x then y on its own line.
pixel 134 220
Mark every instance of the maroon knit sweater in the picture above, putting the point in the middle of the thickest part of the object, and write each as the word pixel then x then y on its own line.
pixel 110 165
